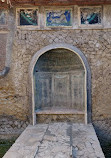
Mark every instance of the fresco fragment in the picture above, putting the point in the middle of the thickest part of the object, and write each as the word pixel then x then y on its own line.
pixel 91 15
pixel 58 17
pixel 28 17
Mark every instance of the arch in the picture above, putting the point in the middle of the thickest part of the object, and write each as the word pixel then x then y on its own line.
pixel 87 78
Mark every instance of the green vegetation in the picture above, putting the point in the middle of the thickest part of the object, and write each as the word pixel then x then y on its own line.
pixel 5 145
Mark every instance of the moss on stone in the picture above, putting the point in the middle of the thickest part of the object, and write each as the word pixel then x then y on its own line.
pixel 5 145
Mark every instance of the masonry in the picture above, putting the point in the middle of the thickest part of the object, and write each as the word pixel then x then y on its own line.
pixel 20 45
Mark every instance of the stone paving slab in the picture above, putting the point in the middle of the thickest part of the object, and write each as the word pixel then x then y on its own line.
pixel 57 140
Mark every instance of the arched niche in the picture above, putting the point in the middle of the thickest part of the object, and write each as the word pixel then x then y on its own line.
pixel 60 79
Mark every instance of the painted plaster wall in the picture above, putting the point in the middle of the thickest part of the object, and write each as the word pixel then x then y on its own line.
pixel 94 43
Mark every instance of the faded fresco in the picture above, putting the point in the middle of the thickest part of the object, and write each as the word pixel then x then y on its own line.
pixel 58 18
pixel 28 17
pixel 3 15
pixel 90 15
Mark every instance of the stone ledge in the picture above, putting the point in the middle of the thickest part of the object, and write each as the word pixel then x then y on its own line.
pixel 60 115
pixel 60 111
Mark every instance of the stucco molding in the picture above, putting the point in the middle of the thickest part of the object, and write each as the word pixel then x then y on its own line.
pixel 86 67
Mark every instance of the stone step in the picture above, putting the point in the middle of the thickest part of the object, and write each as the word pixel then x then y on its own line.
pixel 57 140
pixel 60 115
pixel 60 111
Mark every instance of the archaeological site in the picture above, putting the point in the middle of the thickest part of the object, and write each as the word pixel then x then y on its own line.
pixel 55 71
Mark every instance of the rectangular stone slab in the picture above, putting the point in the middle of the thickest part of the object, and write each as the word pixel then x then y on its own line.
pixel 56 140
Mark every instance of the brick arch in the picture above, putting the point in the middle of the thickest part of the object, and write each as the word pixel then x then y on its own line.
pixel 87 78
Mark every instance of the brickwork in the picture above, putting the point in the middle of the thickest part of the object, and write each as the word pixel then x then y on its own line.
pixel 59 2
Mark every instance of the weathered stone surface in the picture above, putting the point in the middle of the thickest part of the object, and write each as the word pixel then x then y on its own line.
pixel 57 2
pixel 94 43
pixel 10 126
pixel 3 40
pixel 46 118
pixel 57 140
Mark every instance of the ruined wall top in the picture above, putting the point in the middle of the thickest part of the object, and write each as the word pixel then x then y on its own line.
pixel 3 3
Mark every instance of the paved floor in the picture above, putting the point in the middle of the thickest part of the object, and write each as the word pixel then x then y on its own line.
pixel 57 140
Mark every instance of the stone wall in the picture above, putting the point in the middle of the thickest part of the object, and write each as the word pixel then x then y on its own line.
pixel 3 38
pixel 11 127
pixel 57 2
pixel 96 46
